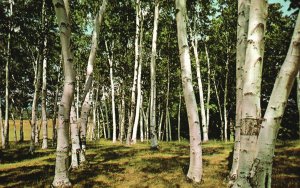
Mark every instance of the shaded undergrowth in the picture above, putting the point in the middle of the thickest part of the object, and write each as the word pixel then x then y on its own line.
pixel 117 165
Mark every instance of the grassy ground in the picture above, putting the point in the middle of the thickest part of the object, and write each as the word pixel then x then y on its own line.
pixel 116 165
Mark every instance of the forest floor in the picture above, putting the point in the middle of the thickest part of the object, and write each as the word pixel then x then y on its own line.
pixel 118 165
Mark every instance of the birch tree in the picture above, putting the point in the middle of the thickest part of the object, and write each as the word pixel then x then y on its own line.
pixel 195 167
pixel 153 135
pixel 61 178
pixel 88 82
pixel 252 75
pixel 242 31
pixel 135 71
pixel 5 144
pixel 261 171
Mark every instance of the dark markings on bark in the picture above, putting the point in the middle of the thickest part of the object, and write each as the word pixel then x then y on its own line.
pixel 250 126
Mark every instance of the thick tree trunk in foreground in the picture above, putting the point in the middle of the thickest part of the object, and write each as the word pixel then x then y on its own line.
pixel 61 178
pixel 242 30
pixel 153 135
pixel 136 64
pixel 261 171
pixel 251 110
pixel 195 167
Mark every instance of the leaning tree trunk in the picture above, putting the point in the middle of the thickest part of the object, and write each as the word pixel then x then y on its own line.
pixel 242 30
pixel 89 77
pixel 195 167
pixel 153 135
pixel 61 178
pixel 251 110
pixel 136 64
pixel 202 108
pixel 261 171
pixel 139 84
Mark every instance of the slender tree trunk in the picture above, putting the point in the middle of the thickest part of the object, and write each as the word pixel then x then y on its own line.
pixel 77 95
pixel 261 171
pixel 103 122
pixel 178 119
pixel 251 110
pixel 242 30
pixel 110 60
pixel 153 135
pixel 201 96
pixel 195 167
pixel 1 126
pixel 205 128
pixel 225 97
pixel 21 125
pixel 160 125
pixel 139 83
pixel 141 121
pixel 89 77
pixel 5 144
pixel 74 138
pixel 61 178
pixel 44 93
pixel 146 122
pixel 15 127
pixel 34 104
pixel 219 107
pixel 136 64
pixel 123 110
pixel 107 120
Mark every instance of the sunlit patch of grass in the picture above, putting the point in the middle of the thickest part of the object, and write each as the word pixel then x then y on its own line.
pixel 118 165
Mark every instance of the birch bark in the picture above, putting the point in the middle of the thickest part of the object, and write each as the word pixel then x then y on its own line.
pixel 195 167
pixel 61 178
pixel 153 135
pixel 242 32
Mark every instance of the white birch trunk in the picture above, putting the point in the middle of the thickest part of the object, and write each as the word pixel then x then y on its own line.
pixel 74 139
pixel 54 128
pixel 61 178
pixel 153 135
pixel 205 128
pixel 44 94
pixel 200 86
pixel 136 64
pixel 5 144
pixel 242 30
pixel 298 100
pixel 261 172
pixel 195 167
pixel 89 76
pixel 251 110
pixel 178 119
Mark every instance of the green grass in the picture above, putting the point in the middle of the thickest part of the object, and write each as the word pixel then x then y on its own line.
pixel 117 165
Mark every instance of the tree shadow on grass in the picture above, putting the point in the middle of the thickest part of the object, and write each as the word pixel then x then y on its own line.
pixel 33 176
